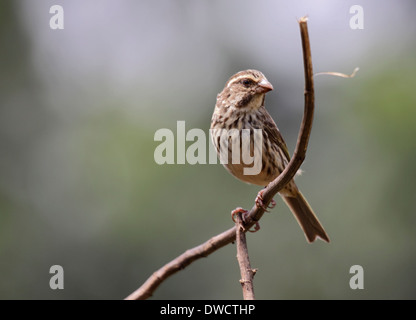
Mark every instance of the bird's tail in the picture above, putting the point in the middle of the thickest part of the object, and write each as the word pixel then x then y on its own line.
pixel 305 217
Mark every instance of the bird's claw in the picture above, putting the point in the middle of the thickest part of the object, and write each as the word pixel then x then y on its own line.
pixel 260 204
pixel 243 217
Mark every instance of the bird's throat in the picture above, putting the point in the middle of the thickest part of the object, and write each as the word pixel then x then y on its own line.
pixel 251 102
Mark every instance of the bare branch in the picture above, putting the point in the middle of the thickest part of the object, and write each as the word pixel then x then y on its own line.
pixel 182 261
pixel 304 132
pixel 247 273
pixel 255 214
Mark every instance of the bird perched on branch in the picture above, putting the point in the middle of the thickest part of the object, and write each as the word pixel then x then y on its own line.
pixel 240 106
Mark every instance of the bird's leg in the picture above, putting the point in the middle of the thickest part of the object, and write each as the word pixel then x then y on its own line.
pixel 244 216
pixel 260 204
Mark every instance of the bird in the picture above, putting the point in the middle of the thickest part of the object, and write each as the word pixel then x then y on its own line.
pixel 240 107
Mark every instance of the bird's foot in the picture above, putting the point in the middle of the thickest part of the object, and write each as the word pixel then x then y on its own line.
pixel 260 204
pixel 244 214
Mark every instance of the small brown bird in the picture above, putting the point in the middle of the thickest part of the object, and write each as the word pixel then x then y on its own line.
pixel 240 106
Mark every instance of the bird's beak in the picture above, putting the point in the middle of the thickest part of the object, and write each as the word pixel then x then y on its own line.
pixel 264 86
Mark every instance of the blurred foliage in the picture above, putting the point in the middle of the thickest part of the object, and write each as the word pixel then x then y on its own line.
pixel 79 186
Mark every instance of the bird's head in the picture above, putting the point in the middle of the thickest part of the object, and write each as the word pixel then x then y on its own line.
pixel 246 90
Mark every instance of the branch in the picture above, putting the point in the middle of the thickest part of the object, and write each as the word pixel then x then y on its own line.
pixel 255 214
pixel 247 273
pixel 304 132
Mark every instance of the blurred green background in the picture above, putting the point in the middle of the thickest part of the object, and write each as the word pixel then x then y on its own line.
pixel 79 186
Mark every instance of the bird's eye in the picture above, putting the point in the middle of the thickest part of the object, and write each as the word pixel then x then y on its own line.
pixel 246 82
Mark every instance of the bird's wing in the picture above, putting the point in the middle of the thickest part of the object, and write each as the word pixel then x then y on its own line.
pixel 274 134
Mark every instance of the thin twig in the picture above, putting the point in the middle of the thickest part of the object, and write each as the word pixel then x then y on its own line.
pixel 254 215
pixel 338 74
pixel 247 274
